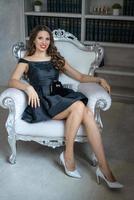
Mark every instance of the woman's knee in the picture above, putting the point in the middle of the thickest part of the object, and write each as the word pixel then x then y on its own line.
pixel 88 113
pixel 78 107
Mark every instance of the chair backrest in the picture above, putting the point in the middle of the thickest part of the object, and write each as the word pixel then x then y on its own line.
pixel 76 57
pixel 84 59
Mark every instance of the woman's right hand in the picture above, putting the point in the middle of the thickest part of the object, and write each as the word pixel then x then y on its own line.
pixel 104 84
pixel 33 98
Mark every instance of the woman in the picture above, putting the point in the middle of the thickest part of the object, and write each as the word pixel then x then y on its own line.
pixel 42 65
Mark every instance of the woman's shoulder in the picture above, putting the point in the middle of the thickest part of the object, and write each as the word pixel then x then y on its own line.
pixel 23 60
pixel 28 59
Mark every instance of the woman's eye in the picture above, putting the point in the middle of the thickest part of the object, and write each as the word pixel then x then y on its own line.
pixel 41 38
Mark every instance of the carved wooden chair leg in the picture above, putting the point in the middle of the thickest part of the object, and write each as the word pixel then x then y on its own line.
pixel 12 143
pixel 9 103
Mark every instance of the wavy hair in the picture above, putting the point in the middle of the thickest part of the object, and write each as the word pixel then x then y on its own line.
pixel 52 51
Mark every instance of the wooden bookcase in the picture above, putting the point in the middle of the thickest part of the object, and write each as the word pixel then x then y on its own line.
pixel 90 21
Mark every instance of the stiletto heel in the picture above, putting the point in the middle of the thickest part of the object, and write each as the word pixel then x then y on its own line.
pixel 114 185
pixel 74 174
pixel 98 179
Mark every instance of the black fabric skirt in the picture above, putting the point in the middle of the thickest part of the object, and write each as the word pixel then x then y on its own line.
pixel 51 105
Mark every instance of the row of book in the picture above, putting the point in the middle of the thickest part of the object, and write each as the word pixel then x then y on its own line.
pixel 72 25
pixel 128 7
pixel 110 31
pixel 96 29
pixel 69 6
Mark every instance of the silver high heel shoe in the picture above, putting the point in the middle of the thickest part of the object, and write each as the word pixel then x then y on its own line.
pixel 74 174
pixel 112 185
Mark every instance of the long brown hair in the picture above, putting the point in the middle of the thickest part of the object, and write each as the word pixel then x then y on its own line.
pixel 52 51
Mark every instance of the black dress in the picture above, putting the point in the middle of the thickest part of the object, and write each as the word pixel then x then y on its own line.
pixel 40 75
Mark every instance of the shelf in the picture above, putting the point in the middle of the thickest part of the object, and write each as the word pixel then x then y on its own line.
pixel 109 44
pixel 124 95
pixel 112 31
pixel 110 17
pixel 104 44
pixel 123 92
pixel 116 70
pixel 52 14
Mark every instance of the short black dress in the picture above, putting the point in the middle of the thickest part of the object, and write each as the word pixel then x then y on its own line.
pixel 41 74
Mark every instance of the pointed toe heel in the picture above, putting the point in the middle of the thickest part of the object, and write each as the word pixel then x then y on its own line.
pixel 74 174
pixel 112 185
pixel 98 179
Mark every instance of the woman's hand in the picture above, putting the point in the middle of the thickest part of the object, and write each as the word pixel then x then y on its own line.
pixel 33 98
pixel 104 84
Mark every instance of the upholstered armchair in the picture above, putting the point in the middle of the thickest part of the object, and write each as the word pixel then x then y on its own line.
pixel 51 133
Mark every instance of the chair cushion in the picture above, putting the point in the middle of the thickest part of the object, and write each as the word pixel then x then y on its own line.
pixel 51 128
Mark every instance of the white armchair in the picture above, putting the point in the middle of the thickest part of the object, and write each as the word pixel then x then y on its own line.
pixel 51 133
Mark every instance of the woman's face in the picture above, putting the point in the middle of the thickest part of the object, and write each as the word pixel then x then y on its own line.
pixel 42 41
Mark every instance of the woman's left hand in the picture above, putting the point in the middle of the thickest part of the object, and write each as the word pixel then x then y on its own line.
pixel 104 84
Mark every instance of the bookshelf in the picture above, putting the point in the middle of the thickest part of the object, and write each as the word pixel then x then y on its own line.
pixel 86 20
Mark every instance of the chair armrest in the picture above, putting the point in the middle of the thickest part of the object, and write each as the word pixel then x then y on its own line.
pixel 15 100
pixel 97 96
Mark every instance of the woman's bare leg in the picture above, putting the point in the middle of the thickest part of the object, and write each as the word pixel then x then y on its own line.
pixel 73 116
pixel 76 114
pixel 95 140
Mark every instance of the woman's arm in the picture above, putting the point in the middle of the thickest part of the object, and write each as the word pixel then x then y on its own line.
pixel 15 82
pixel 83 78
